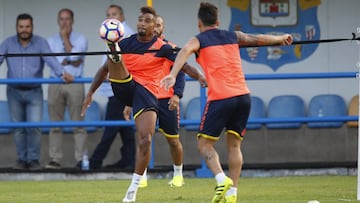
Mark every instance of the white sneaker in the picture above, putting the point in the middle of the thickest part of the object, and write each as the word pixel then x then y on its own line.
pixel 113 47
pixel 130 196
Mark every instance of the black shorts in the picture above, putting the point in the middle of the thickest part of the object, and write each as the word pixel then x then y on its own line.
pixel 135 95
pixel 124 91
pixel 231 114
pixel 169 121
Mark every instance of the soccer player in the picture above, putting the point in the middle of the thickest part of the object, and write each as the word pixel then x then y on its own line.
pixel 137 85
pixel 169 112
pixel 228 103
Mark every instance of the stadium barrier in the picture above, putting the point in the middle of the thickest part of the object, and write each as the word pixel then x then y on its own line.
pixel 184 122
pixel 203 171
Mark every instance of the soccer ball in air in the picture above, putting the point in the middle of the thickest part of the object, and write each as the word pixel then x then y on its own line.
pixel 111 30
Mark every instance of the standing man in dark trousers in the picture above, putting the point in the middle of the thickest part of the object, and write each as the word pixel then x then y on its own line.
pixel 114 111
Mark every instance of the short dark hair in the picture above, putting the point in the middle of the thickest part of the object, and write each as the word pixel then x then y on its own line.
pixel 24 16
pixel 118 7
pixel 208 13
pixel 67 10
pixel 148 9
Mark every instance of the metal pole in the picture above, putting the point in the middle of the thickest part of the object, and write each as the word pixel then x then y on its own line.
pixel 149 3
pixel 358 77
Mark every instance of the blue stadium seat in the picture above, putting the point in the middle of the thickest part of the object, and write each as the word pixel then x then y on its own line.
pixel 93 113
pixel 193 112
pixel 327 105
pixel 257 111
pixel 286 106
pixel 5 116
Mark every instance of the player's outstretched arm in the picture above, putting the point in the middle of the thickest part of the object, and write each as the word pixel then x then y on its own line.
pixel 99 77
pixel 263 39
pixel 192 46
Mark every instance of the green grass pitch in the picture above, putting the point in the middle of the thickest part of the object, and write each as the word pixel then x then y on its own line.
pixel 299 189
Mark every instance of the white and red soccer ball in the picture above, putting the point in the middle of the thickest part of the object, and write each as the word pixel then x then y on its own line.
pixel 111 30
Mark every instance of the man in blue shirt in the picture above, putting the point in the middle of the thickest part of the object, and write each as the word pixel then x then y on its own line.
pixel 71 96
pixel 26 100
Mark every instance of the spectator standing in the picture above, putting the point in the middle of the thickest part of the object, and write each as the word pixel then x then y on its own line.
pixel 26 100
pixel 71 96
pixel 114 111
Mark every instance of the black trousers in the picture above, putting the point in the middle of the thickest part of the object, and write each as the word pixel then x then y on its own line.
pixel 114 111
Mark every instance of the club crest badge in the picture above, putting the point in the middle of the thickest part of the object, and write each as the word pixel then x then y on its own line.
pixel 296 17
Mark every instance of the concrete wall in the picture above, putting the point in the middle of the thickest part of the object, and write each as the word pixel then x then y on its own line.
pixel 277 147
pixel 274 148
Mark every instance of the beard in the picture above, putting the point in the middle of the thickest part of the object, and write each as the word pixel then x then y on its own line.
pixel 24 36
pixel 158 34
pixel 142 34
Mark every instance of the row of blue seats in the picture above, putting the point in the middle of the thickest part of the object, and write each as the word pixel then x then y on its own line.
pixel 92 114
pixel 284 106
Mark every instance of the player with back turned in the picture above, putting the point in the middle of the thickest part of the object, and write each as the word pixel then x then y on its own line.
pixel 228 103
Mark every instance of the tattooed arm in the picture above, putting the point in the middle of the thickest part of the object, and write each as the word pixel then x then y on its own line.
pixel 263 39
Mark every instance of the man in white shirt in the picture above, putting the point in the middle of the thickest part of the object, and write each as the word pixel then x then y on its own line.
pixel 71 96
pixel 114 111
